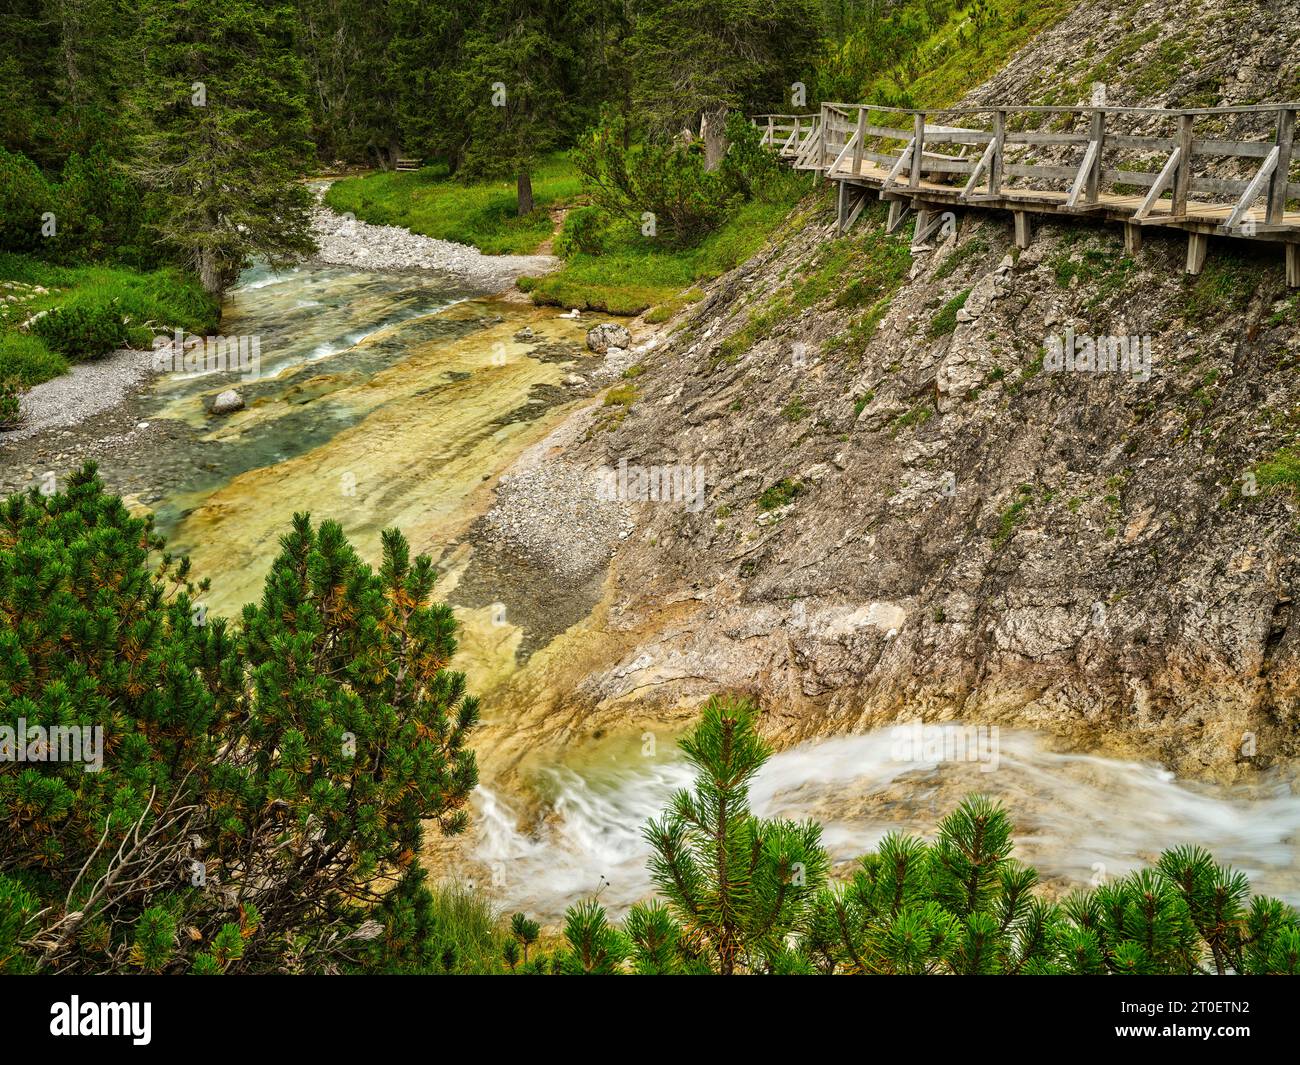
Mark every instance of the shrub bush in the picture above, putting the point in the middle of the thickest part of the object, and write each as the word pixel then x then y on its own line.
pixel 25 196
pixel 658 185
pixel 86 330
pixel 960 905
pixel 10 406
pixel 260 802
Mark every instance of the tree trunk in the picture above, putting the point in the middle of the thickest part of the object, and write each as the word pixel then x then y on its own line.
pixel 210 273
pixel 713 131
pixel 525 187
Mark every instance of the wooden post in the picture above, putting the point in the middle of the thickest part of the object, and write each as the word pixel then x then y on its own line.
pixel 1132 239
pixel 918 149
pixel 1097 132
pixel 857 146
pixel 1278 182
pixel 1293 266
pixel 1023 232
pixel 1197 245
pixel 1183 177
pixel 897 208
pixel 999 139
pixel 840 213
pixel 821 143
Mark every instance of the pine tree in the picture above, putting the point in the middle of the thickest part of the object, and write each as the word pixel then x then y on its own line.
pixel 221 104
pixel 738 884
pixel 595 947
pixel 264 784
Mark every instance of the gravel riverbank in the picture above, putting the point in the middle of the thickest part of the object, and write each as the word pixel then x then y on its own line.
pixel 345 241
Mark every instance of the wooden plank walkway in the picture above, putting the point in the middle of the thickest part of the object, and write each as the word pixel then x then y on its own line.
pixel 1098 166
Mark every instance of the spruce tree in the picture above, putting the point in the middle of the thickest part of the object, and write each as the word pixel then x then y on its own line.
pixel 511 88
pixel 224 134
pixel 697 60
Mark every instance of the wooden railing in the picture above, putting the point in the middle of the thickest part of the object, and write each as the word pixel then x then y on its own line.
pixel 789 135
pixel 1142 166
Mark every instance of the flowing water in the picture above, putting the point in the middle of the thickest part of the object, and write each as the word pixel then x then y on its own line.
pixel 1079 817
pixel 394 400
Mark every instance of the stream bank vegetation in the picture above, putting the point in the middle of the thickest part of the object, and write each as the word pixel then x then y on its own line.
pixel 265 782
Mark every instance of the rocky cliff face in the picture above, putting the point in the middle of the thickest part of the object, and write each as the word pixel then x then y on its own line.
pixel 910 510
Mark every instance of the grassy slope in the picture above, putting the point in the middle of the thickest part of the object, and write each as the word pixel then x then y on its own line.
pixel 430 203
pixel 164 298
pixel 962 65
pixel 636 273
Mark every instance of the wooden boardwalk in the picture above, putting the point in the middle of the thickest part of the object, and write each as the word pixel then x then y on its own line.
pixel 1102 163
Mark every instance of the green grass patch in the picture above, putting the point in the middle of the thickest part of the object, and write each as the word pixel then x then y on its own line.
pixel 1282 471
pixel 786 490
pixel 955 58
pixel 961 255
pixel 468 931
pixel 90 311
pixel 914 418
pixel 632 273
pixel 673 305
pixel 1225 286
pixel 945 321
pixel 27 360
pixel 483 214
pixel 795 411
pixel 1011 517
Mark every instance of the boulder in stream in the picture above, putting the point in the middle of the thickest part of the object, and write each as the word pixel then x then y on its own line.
pixel 608 335
pixel 228 402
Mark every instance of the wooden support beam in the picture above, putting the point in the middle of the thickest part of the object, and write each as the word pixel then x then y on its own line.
pixel 897 212
pixel 839 207
pixel 1293 266
pixel 928 222
pixel 1197 245
pixel 1086 174
pixel 918 148
pixel 1023 232
pixel 979 170
pixel 899 163
pixel 1097 141
pixel 848 146
pixel 1132 239
pixel 1164 180
pixel 857 209
pixel 1285 145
